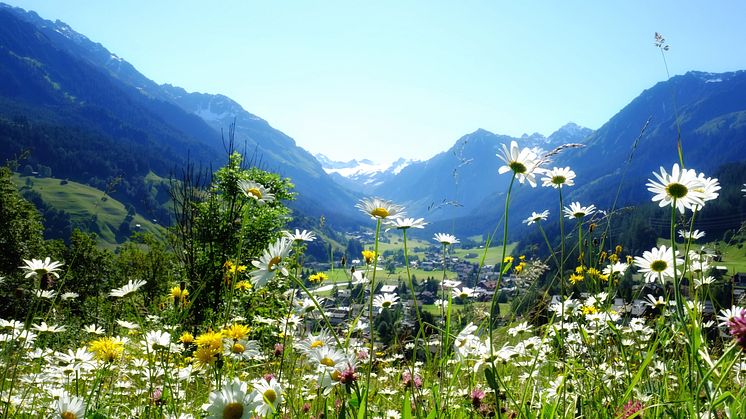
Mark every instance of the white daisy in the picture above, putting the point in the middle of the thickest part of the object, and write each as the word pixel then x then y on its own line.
pixel 38 267
pixel 231 401
pixel 575 210
pixel 446 239
pixel 657 262
pixel 271 262
pixel 50 328
pixel 256 192
pixel 405 223
pixel 69 296
pixel 682 186
pixel 70 407
pixel 301 236
pixel 93 329
pixel 522 162
pixel 268 396
pixel 521 328
pixel 618 267
pixel 463 293
pixel 157 340
pixel 379 208
pixel 536 217
pixel 386 300
pixel 557 177
pixel 694 235
pixel 128 288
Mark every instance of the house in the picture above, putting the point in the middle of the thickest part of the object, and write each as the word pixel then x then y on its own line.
pixel 388 289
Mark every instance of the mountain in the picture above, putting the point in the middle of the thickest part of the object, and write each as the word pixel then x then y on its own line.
pixel 361 175
pixel 90 116
pixel 453 183
pixel 638 140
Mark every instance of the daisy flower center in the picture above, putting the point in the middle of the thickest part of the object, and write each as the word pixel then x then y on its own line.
pixel 237 348
pixel 255 192
pixel 68 415
pixel 233 411
pixel 558 180
pixel 273 263
pixel 677 190
pixel 517 167
pixel 327 361
pixel 336 375
pixel 579 214
pixel 658 266
pixel 270 395
pixel 380 212
pixel 317 344
pixel 386 304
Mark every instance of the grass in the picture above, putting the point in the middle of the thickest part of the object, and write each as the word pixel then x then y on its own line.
pixel 83 202
pixel 494 253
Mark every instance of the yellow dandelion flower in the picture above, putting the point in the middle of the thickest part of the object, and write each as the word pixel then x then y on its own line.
pixel 232 268
pixel 236 331
pixel 186 338
pixel 593 273
pixel 508 259
pixel 243 285
pixel 210 339
pixel 522 257
pixel 106 349
pixel 368 255
pixel 205 356
pixel 580 269
pixel 589 310
pixel 604 277
pixel 575 278
pixel 318 278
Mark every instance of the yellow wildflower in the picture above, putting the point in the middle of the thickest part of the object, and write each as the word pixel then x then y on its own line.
pixel 575 278
pixel 243 285
pixel 508 259
pixel 368 255
pixel 318 278
pixel 106 349
pixel 589 310
pixel 236 331
pixel 210 339
pixel 186 338
pixel 205 356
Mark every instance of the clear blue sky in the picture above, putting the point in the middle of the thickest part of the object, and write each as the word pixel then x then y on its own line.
pixel 388 79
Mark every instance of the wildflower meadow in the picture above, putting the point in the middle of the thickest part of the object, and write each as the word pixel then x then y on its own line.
pixel 233 330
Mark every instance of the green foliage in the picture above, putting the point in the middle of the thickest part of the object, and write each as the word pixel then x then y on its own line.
pixel 20 226
pixel 217 223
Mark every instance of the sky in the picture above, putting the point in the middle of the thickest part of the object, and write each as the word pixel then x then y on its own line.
pixel 389 79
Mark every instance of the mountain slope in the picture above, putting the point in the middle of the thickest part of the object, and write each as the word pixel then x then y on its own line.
pixel 52 76
pixel 453 183
pixel 712 115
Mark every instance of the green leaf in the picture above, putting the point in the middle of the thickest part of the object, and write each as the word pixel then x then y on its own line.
pixel 361 410
pixel 406 410
pixel 489 374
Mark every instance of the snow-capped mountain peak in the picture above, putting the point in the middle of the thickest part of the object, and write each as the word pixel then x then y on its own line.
pixel 360 175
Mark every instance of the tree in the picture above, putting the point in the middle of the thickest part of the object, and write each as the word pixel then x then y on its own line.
pixel 217 223
pixel 21 230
